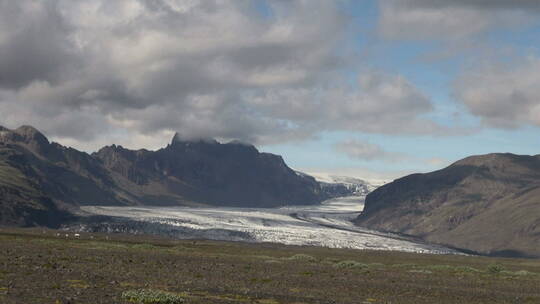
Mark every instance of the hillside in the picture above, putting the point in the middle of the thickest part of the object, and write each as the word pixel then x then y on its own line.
pixel 39 176
pixel 489 204
pixel 22 203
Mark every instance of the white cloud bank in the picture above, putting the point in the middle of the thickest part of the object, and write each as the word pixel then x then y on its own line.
pixel 503 95
pixel 90 72
pixel 452 19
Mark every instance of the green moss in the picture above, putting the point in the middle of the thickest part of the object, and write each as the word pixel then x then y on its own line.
pixel 376 265
pixel 441 267
pixel 350 264
pixel 12 177
pixel 424 271
pixel 302 257
pixel 495 268
pixel 152 296
pixel 78 284
pixel 407 265
pixel 467 269
pixel 144 246
pixel 518 273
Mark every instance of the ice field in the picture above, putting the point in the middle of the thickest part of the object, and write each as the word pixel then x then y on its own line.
pixel 328 225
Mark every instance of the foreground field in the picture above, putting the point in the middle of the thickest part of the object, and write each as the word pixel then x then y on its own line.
pixel 40 266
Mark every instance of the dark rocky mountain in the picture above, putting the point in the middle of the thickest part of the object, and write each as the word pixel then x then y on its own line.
pixel 41 182
pixel 205 171
pixel 489 204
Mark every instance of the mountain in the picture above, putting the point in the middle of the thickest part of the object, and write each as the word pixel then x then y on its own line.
pixel 335 185
pixel 42 182
pixel 489 204
pixel 206 171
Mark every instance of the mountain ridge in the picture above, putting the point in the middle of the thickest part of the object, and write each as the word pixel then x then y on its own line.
pixel 185 172
pixel 487 203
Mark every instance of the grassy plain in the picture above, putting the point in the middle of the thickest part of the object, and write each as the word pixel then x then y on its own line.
pixel 39 266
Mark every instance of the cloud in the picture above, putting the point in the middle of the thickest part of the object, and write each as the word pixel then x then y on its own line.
pixel 378 103
pixel 503 95
pixel 452 19
pixel 437 162
pixel 479 4
pixel 91 70
pixel 368 151
pixel 32 43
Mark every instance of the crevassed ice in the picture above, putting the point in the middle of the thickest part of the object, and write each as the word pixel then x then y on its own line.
pixel 328 225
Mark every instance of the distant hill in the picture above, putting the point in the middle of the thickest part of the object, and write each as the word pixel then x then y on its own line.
pixel 488 203
pixel 41 181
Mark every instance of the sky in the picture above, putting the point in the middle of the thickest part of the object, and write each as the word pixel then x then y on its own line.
pixel 365 88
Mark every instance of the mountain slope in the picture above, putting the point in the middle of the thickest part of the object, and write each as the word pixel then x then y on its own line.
pixel 62 174
pixel 22 203
pixel 489 204
pixel 209 172
pixel 38 179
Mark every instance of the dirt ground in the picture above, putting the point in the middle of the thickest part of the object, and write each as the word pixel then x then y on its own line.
pixel 44 266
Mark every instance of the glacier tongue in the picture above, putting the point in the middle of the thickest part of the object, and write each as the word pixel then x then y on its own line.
pixel 328 225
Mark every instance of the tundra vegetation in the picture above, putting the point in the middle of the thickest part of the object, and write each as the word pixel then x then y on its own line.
pixel 43 266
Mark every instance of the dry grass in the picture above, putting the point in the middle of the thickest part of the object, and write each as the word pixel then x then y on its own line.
pixel 38 267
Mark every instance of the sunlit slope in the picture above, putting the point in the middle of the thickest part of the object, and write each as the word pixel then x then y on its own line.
pixel 22 203
pixel 488 203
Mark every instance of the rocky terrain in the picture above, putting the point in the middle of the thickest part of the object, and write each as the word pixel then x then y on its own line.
pixel 489 204
pixel 37 177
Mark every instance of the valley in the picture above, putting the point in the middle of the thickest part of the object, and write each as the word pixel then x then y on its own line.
pixel 327 225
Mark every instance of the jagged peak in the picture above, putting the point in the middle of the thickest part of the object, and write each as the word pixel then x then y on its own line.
pixel 30 133
pixel 179 138
pixel 27 128
pixel 23 134
pixel 240 143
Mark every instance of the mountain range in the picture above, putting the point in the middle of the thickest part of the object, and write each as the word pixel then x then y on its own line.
pixel 42 182
pixel 489 204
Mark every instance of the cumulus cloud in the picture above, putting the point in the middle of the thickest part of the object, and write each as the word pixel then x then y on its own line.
pixel 452 19
pixel 32 43
pixel 503 95
pixel 370 152
pixel 378 103
pixel 367 151
pixel 481 4
pixel 89 69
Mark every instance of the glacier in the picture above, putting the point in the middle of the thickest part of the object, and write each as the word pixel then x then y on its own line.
pixel 328 224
